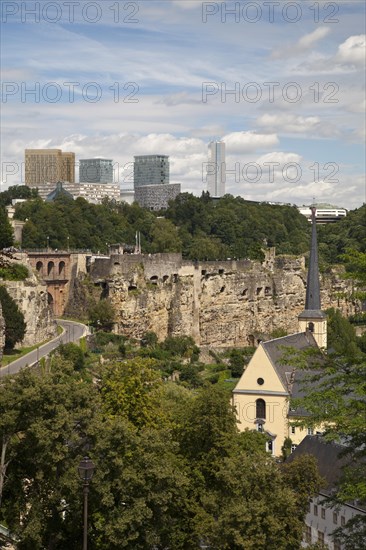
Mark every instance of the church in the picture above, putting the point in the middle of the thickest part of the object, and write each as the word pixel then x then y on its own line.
pixel 262 395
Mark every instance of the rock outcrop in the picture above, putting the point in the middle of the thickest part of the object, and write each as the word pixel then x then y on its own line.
pixel 30 296
pixel 222 303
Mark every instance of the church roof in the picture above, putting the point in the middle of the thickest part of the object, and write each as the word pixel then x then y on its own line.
pixel 275 352
pixel 330 460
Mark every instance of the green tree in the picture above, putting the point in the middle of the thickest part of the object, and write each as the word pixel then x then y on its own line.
pixel 238 359
pixel 43 422
pixel 140 491
pixel 6 231
pixel 341 335
pixel 303 477
pixel 338 381
pixel 249 506
pixel 72 353
pixel 149 339
pixel 132 389
pixel 101 315
pixel 165 237
pixel 14 320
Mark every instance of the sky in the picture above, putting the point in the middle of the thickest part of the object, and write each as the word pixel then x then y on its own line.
pixel 281 83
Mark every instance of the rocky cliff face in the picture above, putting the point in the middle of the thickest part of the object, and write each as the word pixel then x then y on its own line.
pixel 232 303
pixel 30 296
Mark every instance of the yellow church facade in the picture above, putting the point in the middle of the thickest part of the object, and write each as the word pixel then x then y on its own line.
pixel 262 396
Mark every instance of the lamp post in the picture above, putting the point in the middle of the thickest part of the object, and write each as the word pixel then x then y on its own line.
pixel 86 471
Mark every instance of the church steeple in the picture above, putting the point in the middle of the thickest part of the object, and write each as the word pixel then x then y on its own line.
pixel 312 318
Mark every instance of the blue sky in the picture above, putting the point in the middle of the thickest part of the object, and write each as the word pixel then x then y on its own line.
pixel 150 77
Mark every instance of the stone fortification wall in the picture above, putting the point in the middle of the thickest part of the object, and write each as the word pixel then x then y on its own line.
pixel 128 264
pixel 223 303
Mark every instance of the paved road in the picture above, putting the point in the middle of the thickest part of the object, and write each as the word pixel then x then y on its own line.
pixel 72 332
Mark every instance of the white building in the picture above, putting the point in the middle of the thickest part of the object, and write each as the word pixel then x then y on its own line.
pixel 91 192
pixel 216 169
pixel 325 213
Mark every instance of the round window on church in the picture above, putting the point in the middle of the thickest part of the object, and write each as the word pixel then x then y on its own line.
pixel 260 381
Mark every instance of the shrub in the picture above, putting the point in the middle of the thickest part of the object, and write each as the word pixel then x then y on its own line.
pixel 14 272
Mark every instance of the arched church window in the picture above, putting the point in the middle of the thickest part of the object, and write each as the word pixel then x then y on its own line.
pixel 260 408
pixel 311 327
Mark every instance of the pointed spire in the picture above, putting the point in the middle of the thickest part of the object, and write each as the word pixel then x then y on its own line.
pixel 313 318
pixel 312 301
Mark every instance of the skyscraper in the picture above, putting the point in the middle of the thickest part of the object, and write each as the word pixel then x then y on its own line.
pixel 216 169
pixel 97 170
pixel 48 165
pixel 150 170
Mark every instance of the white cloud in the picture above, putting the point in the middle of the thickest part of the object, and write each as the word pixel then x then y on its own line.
pixel 305 43
pixel 241 142
pixel 288 122
pixel 350 57
pixel 353 50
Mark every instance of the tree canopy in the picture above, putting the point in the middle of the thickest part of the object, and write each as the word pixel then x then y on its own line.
pixel 172 470
pixel 15 325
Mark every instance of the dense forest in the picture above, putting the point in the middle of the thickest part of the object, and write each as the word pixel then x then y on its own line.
pixel 198 227
pixel 172 471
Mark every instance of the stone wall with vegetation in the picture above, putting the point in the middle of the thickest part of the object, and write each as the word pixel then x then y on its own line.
pixel 219 304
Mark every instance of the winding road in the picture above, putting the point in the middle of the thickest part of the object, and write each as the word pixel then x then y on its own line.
pixel 72 333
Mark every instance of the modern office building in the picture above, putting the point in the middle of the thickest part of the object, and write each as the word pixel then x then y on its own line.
pixel 156 197
pixel 52 165
pixel 150 170
pixel 325 213
pixel 97 170
pixel 216 169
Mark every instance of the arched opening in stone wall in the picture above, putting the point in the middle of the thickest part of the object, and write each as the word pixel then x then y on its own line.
pixel 39 267
pixel 50 268
pixel 165 278
pixel 251 340
pixel 61 268
pixel 105 290
pixel 154 279
pixel 50 300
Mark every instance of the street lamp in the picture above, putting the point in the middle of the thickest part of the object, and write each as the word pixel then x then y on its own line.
pixel 86 471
